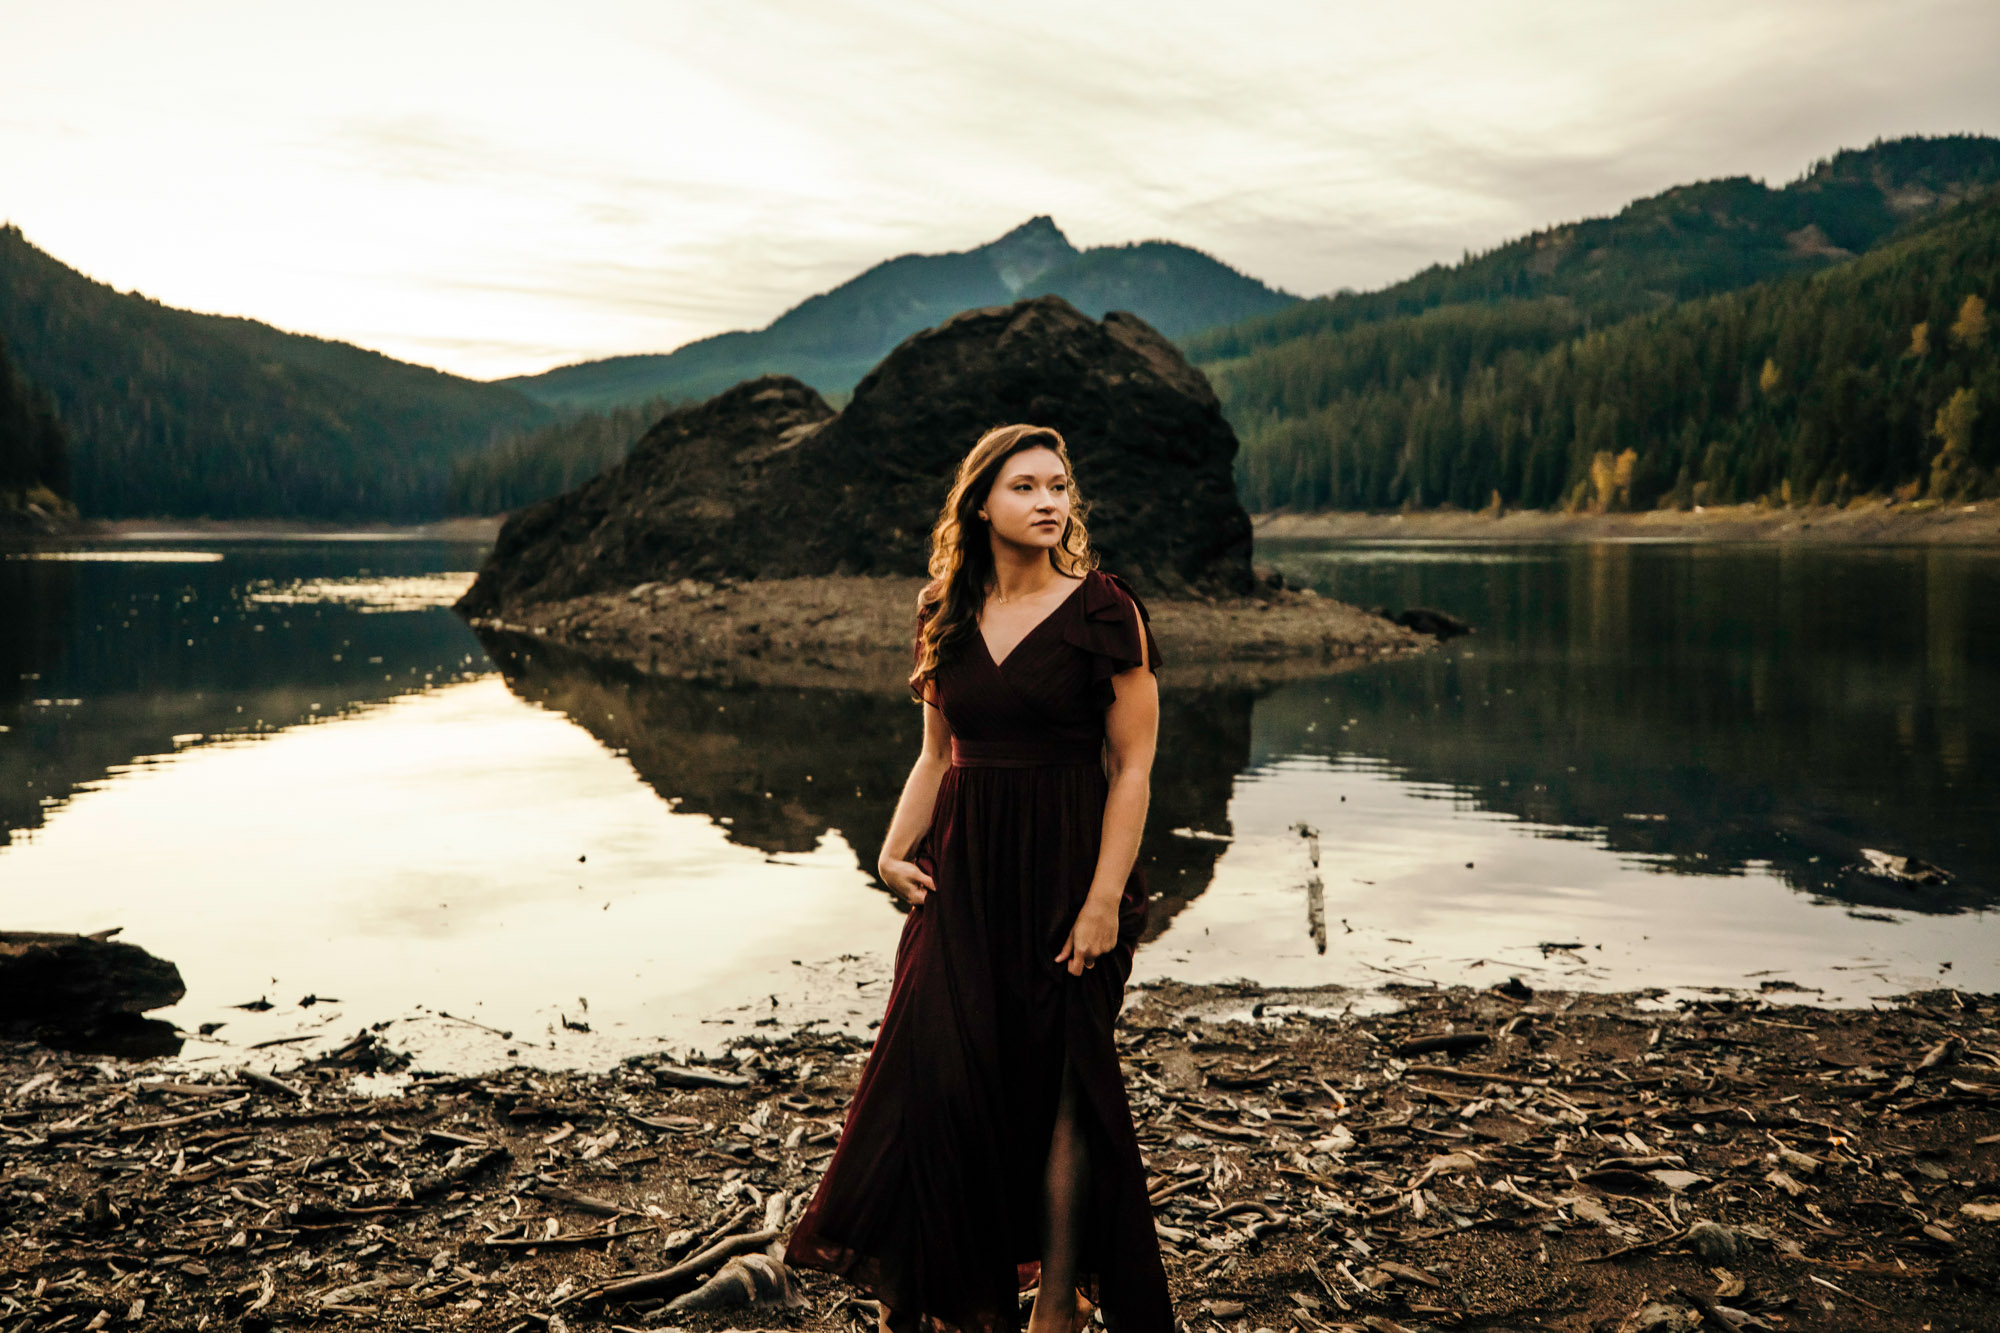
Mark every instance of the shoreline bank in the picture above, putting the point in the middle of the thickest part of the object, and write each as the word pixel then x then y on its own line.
pixel 854 633
pixel 482 530
pixel 1861 524
pixel 1476 1159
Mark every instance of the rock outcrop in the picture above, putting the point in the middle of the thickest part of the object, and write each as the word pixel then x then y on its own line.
pixel 766 481
pixel 78 981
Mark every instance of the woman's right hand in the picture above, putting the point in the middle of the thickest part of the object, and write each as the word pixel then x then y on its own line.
pixel 906 879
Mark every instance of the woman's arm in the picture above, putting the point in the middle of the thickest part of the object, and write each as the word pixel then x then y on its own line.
pixel 913 812
pixel 1131 729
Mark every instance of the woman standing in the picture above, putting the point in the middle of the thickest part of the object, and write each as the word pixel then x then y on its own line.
pixel 989 1146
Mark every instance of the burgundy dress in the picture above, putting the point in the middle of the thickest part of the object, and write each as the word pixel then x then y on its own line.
pixel 933 1198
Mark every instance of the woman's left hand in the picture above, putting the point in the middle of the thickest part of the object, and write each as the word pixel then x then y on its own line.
pixel 1094 935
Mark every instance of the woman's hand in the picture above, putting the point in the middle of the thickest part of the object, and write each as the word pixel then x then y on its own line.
pixel 907 881
pixel 1094 935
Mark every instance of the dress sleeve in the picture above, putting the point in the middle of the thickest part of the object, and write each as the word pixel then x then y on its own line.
pixel 1110 629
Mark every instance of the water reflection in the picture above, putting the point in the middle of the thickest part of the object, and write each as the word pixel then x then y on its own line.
pixel 780 768
pixel 1700 710
pixel 1746 720
pixel 110 656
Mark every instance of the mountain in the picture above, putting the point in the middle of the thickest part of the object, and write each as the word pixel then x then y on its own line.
pixel 170 412
pixel 34 463
pixel 1874 376
pixel 1380 399
pixel 831 340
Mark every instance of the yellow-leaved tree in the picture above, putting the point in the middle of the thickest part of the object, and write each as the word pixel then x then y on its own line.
pixel 1969 329
pixel 1611 479
pixel 1951 469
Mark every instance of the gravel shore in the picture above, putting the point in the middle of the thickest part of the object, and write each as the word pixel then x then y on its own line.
pixel 854 633
pixel 1479 1160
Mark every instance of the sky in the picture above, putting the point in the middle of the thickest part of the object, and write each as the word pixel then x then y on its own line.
pixel 496 188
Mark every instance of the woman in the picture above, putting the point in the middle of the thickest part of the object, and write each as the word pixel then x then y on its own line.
pixel 989 1146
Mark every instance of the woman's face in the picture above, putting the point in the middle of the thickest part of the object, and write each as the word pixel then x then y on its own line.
pixel 1029 503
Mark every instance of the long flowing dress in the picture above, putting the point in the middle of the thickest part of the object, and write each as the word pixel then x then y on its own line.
pixel 933 1197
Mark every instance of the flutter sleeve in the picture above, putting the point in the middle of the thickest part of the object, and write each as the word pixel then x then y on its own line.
pixel 1110 629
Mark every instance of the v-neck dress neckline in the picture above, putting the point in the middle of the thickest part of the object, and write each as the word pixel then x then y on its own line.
pixel 1000 662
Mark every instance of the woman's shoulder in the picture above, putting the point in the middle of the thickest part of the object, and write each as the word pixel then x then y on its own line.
pixel 1112 625
pixel 1108 597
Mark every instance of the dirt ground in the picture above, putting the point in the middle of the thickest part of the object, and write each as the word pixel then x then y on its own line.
pixel 1862 523
pixel 1473 1160
pixel 846 632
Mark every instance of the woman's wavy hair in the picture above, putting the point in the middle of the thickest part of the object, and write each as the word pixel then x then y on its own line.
pixel 961 565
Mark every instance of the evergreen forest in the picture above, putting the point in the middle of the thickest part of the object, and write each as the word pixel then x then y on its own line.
pixel 168 412
pixel 548 460
pixel 34 463
pixel 1720 343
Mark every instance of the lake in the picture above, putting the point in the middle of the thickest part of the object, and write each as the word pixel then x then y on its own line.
pixel 288 767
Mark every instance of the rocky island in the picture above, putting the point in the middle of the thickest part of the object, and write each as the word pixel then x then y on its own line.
pixel 763 536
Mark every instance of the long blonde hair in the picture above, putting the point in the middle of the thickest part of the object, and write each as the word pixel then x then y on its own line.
pixel 961 564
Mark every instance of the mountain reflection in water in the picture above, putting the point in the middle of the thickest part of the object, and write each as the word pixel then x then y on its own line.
pixel 1700 710
pixel 778 768
pixel 289 767
pixel 110 657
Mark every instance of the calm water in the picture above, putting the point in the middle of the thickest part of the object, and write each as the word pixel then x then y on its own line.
pixel 289 767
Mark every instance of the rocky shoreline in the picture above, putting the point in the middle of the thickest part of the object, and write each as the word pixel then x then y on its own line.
pixel 1862 523
pixel 854 632
pixel 1479 1160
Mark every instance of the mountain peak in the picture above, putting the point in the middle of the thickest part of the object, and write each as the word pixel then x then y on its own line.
pixel 1028 251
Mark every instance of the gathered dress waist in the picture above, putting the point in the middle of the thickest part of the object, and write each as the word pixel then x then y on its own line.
pixel 1025 754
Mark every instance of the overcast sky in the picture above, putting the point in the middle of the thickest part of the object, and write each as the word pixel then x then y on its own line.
pixel 495 188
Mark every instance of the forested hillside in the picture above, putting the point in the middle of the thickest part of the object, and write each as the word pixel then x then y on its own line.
pixel 831 340
pixel 171 412
pixel 1879 374
pixel 549 460
pixel 1380 399
pixel 34 467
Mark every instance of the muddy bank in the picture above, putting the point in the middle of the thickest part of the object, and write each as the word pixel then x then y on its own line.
pixel 1863 523
pixel 854 632
pixel 1476 1160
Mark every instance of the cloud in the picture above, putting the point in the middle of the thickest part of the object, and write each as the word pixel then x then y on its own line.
pixel 540 187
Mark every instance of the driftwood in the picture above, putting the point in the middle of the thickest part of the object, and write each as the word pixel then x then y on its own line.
pixel 755 1280
pixel 1596 1163
pixel 670 1279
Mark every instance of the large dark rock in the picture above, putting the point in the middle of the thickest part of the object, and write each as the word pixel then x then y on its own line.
pixel 767 481
pixel 77 980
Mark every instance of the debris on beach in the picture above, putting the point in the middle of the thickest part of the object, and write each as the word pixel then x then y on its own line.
pixel 1901 869
pixel 1499 1159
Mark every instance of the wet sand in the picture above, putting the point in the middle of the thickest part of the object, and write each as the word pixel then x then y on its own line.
pixel 1479 1160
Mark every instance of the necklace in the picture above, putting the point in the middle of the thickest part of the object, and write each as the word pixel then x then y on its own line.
pixel 995 597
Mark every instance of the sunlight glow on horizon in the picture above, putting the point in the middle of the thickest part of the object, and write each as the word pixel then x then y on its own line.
pixel 499 189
